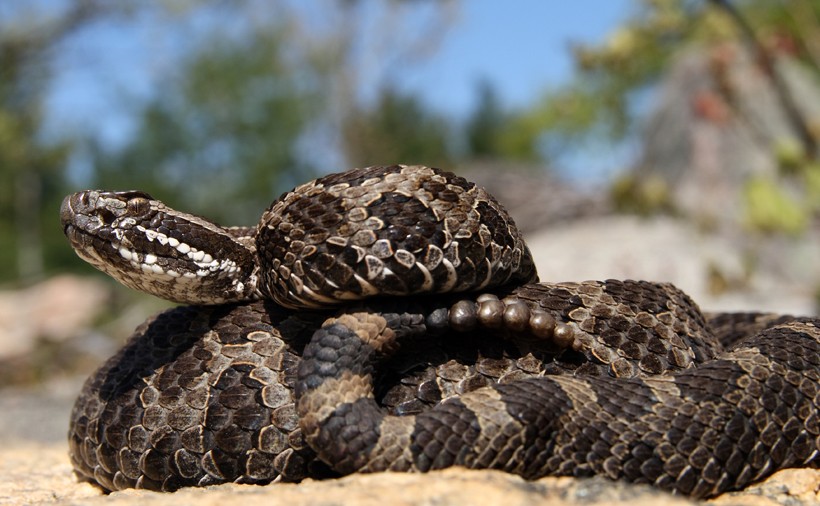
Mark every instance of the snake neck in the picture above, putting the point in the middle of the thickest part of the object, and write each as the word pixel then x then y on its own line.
pixel 150 247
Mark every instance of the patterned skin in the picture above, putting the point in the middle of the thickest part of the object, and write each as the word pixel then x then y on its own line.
pixel 389 360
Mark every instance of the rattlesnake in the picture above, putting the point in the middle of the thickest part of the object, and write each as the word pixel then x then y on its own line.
pixel 625 379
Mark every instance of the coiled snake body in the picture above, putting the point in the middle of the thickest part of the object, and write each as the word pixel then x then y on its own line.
pixel 343 335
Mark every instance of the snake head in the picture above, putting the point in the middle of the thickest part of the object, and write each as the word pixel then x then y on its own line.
pixel 150 247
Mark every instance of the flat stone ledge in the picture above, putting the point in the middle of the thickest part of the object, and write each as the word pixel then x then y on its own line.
pixel 40 474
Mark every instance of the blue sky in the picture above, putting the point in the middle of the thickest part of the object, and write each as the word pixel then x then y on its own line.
pixel 523 52
pixel 522 49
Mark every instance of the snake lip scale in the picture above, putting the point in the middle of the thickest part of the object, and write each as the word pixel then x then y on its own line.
pixel 390 318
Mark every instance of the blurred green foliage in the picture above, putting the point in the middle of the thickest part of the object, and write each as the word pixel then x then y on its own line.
pixel 769 208
pixel 599 105
pixel 398 127
pixel 788 203
pixel 224 130
pixel 642 196
pixel 31 168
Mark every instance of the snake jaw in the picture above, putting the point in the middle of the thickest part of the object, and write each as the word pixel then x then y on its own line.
pixel 152 248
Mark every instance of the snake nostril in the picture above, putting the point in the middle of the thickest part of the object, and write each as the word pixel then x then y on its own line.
pixel 81 199
pixel 105 215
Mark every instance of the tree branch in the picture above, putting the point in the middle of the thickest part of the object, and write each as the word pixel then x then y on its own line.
pixel 781 88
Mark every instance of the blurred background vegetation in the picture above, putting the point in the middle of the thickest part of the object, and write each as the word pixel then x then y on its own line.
pixel 264 95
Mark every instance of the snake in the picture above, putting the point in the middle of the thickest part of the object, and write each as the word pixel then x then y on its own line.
pixel 391 319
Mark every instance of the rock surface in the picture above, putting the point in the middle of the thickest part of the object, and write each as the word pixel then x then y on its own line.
pixel 712 269
pixel 55 310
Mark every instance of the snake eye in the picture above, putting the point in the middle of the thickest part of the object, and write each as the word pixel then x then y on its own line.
pixel 138 205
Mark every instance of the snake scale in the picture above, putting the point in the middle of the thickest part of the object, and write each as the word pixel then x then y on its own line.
pixel 390 318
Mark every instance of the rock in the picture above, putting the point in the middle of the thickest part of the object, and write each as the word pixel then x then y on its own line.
pixel 665 249
pixel 54 310
pixel 786 487
pixel 517 186
pixel 37 473
pixel 443 488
